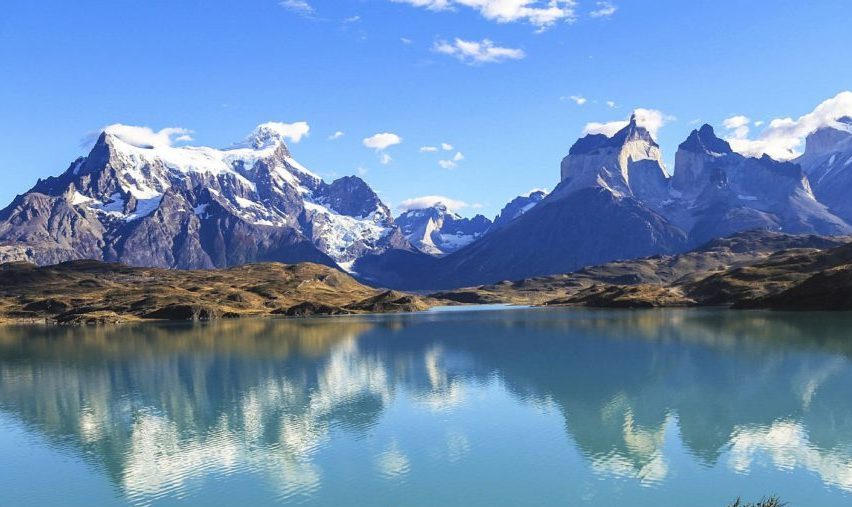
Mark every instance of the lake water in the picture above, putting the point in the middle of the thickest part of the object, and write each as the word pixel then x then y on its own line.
pixel 528 407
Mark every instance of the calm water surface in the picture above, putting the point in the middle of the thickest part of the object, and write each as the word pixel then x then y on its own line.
pixel 513 408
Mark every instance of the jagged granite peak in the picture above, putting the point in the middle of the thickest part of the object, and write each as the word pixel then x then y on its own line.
pixel 704 140
pixel 517 207
pixel 719 192
pixel 629 163
pixel 141 200
pixel 436 230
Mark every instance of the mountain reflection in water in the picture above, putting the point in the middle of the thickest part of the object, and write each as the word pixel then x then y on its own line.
pixel 292 404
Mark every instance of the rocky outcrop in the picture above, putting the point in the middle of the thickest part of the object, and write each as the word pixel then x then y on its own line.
pixel 81 292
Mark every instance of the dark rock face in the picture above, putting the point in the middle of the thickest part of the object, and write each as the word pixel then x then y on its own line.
pixel 310 308
pixel 517 207
pixel 351 196
pixel 562 235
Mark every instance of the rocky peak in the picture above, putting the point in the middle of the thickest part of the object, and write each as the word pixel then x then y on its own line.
pixel 628 163
pixel 351 196
pixel 704 140
pixel 517 207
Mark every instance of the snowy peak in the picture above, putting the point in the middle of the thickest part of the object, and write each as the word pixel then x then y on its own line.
pixel 437 231
pixel 267 135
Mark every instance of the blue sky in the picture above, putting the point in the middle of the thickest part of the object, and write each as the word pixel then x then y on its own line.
pixel 364 67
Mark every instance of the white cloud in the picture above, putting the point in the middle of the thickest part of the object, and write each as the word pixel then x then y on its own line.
pixel 577 99
pixel 406 41
pixel 428 149
pixel 604 10
pixel 539 13
pixel 291 131
pixel 446 146
pixel 382 141
pixel 737 126
pixel 478 52
pixel 758 123
pixel 735 122
pixel 427 201
pixel 144 137
pixel 337 135
pixel 362 171
pixel 453 162
pixel 611 104
pixel 784 138
pixel 298 6
pixel 651 119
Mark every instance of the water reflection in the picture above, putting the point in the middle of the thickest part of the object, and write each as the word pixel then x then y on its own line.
pixel 157 408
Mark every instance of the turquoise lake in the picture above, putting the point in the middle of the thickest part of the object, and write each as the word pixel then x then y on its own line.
pixel 521 407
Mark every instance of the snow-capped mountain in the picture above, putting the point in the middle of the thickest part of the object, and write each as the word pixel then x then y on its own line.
pixel 195 207
pixel 437 231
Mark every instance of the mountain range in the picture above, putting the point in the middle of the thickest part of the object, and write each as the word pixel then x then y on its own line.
pixel 197 207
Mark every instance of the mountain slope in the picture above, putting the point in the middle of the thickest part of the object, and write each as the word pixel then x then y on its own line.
pixel 827 160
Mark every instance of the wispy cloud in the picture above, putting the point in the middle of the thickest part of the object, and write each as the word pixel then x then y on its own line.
pixel 428 149
pixel 427 201
pixel 301 7
pixel 144 137
pixel 577 99
pixel 603 10
pixel 651 119
pixel 478 52
pixel 337 135
pixel 539 13
pixel 453 162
